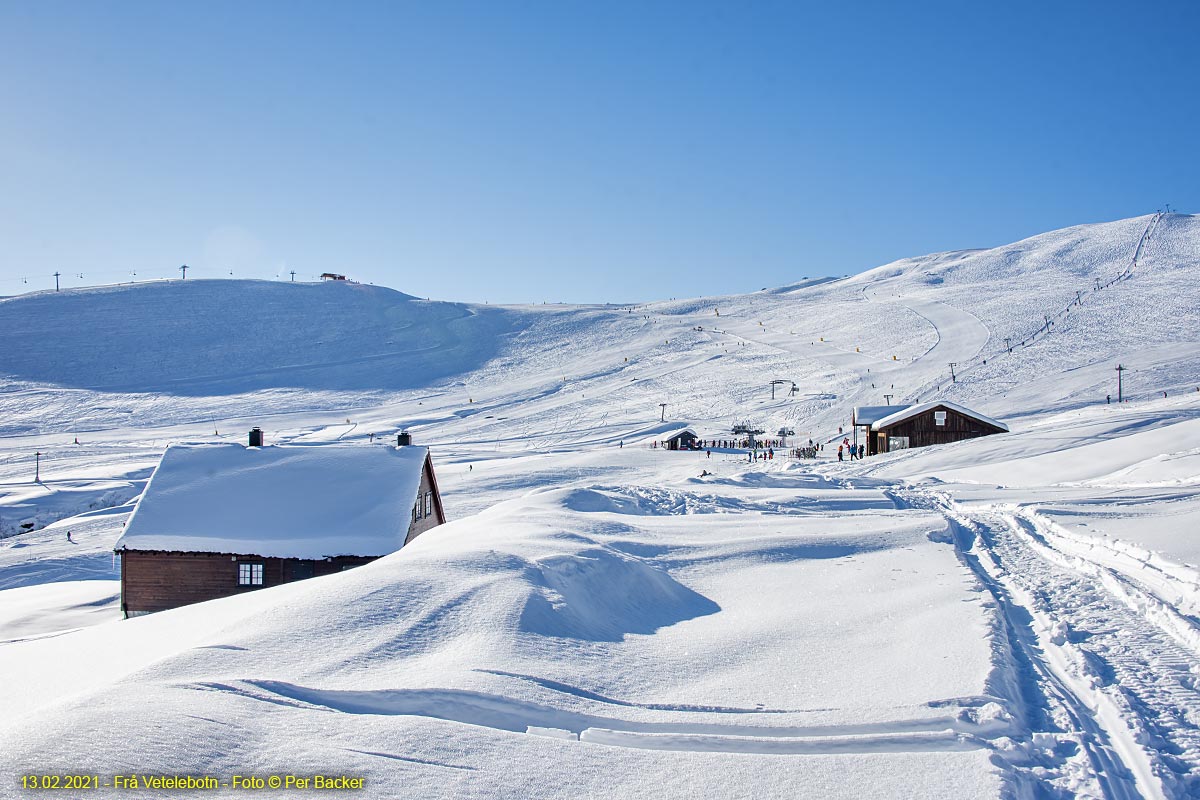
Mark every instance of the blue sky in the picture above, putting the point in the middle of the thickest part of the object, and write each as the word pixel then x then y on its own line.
pixel 563 151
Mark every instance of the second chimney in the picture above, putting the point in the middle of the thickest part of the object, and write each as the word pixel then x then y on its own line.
pixel 256 437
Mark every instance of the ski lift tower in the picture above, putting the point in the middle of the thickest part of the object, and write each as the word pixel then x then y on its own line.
pixel 779 382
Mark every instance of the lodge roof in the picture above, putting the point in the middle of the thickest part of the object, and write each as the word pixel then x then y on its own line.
pixel 316 501
pixel 867 415
pixel 908 412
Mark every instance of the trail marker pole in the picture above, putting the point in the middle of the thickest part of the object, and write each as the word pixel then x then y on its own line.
pixel 37 467
pixel 1120 368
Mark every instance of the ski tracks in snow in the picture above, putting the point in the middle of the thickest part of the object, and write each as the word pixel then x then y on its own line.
pixel 1112 663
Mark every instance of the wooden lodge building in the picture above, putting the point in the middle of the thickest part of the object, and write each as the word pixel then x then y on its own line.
pixel 890 428
pixel 221 519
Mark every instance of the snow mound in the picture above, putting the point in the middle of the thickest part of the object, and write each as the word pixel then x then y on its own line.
pixel 600 594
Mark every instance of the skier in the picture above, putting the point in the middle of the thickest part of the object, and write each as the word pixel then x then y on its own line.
pixel 708 453
pixel 69 539
pixel 839 452
pixel 862 449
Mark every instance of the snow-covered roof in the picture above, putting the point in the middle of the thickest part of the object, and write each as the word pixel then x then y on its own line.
pixel 285 502
pixel 908 412
pixel 679 432
pixel 866 415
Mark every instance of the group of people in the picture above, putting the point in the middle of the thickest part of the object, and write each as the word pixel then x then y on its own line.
pixel 767 452
pixel 729 444
pixel 859 451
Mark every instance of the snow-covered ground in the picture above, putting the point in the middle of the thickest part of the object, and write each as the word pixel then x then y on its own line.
pixel 1011 616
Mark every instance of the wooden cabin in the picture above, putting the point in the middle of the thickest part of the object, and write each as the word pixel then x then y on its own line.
pixel 221 519
pixel 890 428
pixel 681 440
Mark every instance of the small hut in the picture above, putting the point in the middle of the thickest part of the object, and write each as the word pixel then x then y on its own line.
pixel 684 439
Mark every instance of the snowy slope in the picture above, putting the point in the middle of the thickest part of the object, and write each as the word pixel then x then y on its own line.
pixel 1013 616
pixel 208 337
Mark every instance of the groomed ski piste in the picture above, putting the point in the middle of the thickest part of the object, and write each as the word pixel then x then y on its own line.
pixel 1013 616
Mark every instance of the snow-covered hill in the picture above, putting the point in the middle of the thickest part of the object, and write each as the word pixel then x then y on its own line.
pixel 894 329
pixel 1011 616
pixel 209 337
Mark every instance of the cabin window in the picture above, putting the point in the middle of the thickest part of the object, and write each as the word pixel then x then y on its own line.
pixel 417 510
pixel 939 418
pixel 429 504
pixel 250 574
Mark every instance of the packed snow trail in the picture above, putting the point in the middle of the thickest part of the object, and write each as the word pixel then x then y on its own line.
pixel 1115 681
pixel 961 336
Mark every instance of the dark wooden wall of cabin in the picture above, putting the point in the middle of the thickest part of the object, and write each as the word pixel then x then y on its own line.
pixel 923 431
pixel 155 581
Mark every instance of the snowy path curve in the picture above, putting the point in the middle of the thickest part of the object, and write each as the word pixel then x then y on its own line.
pixel 961 337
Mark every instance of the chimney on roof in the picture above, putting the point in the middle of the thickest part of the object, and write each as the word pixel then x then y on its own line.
pixel 256 437
pixel 403 439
